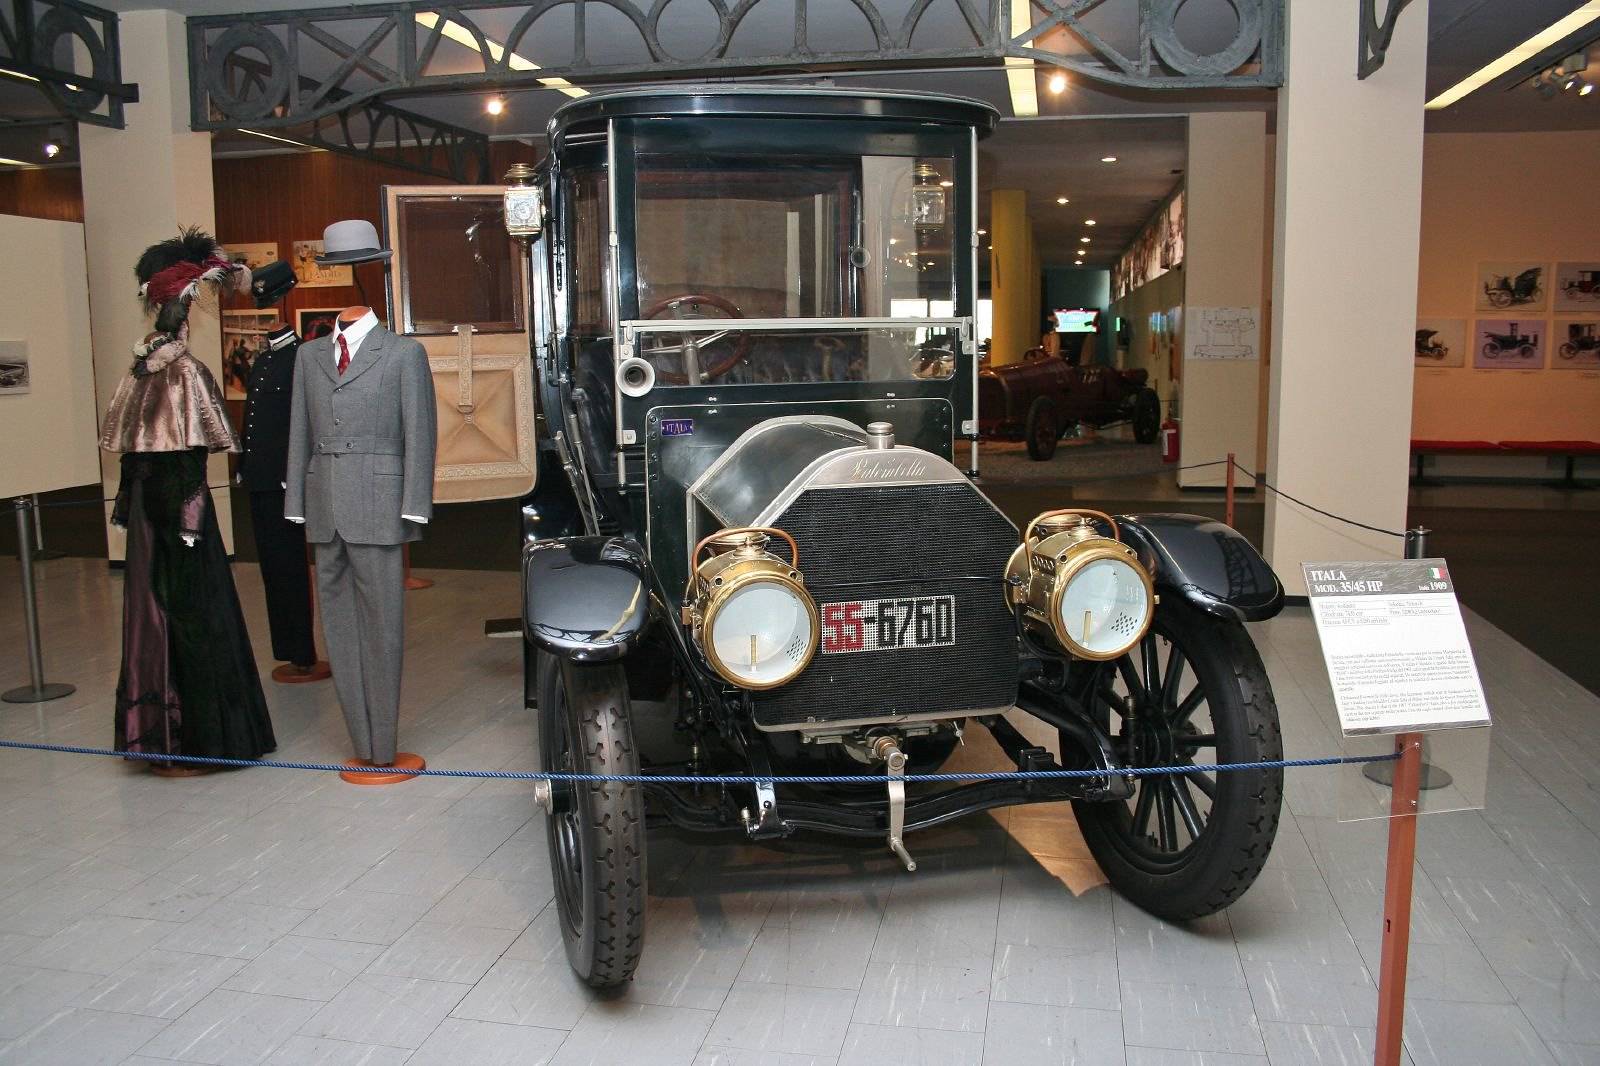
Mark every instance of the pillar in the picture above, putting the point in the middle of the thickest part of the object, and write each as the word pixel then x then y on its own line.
pixel 1013 283
pixel 1348 215
pixel 140 184
pixel 1224 245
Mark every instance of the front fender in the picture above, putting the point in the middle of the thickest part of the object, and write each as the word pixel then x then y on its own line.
pixel 1206 563
pixel 584 598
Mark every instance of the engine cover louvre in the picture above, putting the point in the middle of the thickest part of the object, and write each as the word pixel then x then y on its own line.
pixel 876 542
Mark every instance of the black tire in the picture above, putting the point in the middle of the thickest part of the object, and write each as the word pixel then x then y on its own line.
pixel 1147 845
pixel 1041 430
pixel 596 831
pixel 1146 416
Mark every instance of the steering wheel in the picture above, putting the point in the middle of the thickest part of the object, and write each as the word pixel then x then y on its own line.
pixel 691 344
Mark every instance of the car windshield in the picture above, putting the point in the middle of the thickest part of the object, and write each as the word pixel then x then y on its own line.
pixel 803 241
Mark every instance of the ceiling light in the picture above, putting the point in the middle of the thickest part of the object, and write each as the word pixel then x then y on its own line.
pixel 1062 200
pixel 51 149
pixel 4 162
pixel 1058 83
pixel 1545 38
pixel 1019 70
pixel 463 36
pixel 946 184
pixel 1083 240
pixel 1588 87
pixel 1089 222
pixel 983 233
pixel 1108 159
pixel 1569 82
pixel 495 105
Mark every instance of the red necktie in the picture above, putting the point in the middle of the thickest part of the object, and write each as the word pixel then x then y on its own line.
pixel 344 355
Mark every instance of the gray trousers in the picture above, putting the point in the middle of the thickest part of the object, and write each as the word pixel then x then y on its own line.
pixel 362 592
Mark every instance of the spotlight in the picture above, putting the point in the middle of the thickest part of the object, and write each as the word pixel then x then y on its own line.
pixel 495 105
pixel 1108 159
pixel 1062 200
pixel 1089 222
pixel 1083 240
pixel 1058 83
pixel 946 184
pixel 983 233
pixel 1588 87
pixel 51 149
pixel 1569 82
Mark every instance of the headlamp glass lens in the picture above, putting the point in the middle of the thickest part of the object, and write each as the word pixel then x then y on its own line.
pixel 1104 607
pixel 761 633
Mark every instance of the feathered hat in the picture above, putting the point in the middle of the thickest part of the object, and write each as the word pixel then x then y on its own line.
pixel 171 273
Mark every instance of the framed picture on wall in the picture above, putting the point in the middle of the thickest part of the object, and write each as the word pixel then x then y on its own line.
pixel 1441 342
pixel 1509 344
pixel 314 275
pixel 1577 286
pixel 1513 285
pixel 1577 344
pixel 314 322
pixel 253 255
pixel 244 335
pixel 13 368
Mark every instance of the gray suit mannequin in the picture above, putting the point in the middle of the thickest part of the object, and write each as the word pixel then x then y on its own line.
pixel 361 453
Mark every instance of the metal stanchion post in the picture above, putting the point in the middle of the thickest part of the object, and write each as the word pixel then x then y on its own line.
pixel 38 691
pixel 1397 899
pixel 40 552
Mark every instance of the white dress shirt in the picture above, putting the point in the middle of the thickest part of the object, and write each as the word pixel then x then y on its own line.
pixel 354 333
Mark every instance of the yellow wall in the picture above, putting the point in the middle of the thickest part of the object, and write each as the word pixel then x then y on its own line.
pixel 1504 196
pixel 1013 276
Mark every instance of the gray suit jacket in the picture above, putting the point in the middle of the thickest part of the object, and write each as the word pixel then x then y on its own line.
pixel 361 446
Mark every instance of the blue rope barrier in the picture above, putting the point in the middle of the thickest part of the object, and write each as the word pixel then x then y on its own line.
pixel 710 779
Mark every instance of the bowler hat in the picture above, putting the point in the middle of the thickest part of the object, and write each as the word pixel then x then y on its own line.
pixel 351 241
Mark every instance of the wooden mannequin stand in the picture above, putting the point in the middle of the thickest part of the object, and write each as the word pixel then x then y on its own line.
pixel 406 764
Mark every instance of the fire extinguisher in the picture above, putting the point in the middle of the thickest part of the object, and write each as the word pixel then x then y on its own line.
pixel 1169 441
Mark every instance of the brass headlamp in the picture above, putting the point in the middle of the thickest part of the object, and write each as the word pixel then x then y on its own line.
pixel 748 610
pixel 1086 591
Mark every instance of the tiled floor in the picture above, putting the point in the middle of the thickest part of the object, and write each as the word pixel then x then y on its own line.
pixel 286 918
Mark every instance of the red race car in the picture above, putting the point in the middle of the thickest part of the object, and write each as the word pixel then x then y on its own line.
pixel 1039 398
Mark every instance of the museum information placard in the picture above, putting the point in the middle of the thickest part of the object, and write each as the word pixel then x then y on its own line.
pixel 1395 646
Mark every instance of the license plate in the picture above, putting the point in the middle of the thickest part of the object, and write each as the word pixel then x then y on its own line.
pixel 888 625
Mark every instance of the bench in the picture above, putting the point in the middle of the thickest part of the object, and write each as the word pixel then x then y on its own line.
pixel 1569 450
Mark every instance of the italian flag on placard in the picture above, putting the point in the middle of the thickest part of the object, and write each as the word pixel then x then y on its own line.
pixel 1437 572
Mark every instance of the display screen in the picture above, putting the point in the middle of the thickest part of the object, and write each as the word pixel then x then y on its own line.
pixel 1077 320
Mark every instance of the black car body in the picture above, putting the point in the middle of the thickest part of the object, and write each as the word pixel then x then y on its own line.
pixel 758 388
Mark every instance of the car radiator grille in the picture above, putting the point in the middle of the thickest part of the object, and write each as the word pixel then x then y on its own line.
pixel 881 542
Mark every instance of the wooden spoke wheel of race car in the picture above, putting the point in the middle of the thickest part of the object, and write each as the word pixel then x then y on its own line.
pixel 1192 692
pixel 1041 429
pixel 596 831
pixel 721 364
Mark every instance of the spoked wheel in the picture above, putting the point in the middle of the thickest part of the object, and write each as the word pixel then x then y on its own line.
pixel 596 830
pixel 1193 692
pixel 1041 430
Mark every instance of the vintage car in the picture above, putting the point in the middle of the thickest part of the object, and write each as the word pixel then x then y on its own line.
pixel 757 545
pixel 1041 397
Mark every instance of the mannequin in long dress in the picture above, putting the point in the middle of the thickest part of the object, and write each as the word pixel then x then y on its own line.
pixel 188 683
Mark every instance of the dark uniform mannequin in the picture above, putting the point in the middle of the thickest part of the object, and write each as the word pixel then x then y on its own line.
pixel 280 544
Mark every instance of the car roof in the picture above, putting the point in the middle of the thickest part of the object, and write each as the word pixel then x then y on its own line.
pixel 591 113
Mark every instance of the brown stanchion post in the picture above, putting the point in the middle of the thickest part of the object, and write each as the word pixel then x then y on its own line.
pixel 1228 516
pixel 1397 899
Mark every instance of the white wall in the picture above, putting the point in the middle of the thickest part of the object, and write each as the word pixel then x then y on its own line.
pixel 1471 212
pixel 48 434
pixel 1224 242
